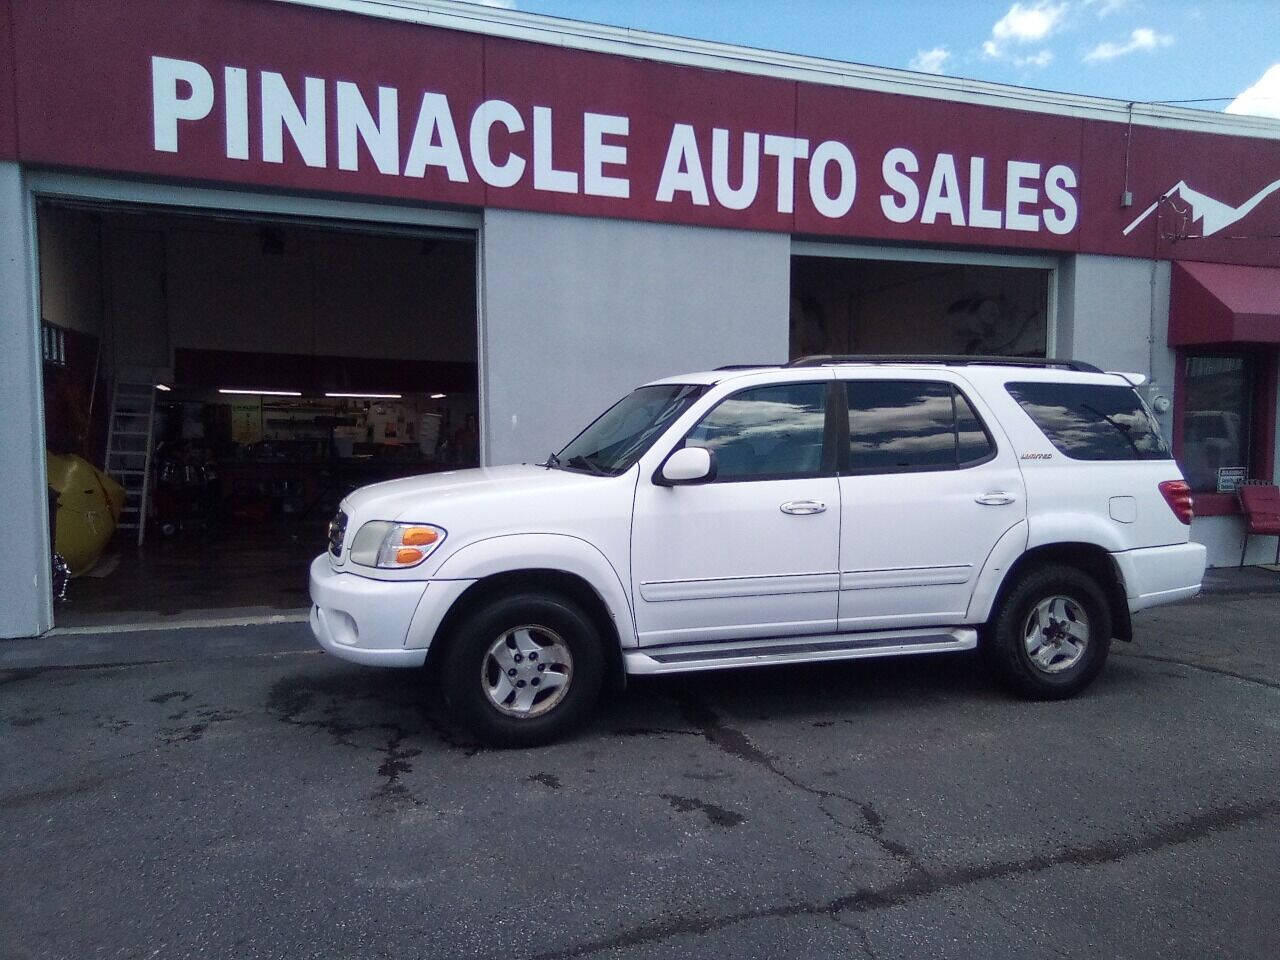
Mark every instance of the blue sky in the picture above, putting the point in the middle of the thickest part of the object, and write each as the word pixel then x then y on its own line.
pixel 1128 49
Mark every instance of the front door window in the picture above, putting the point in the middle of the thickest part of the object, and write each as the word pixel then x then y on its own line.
pixel 766 433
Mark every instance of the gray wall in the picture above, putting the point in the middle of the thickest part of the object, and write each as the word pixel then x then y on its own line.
pixel 1114 311
pixel 578 311
pixel 24 523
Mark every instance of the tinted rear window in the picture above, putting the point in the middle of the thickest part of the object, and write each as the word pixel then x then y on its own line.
pixel 1087 421
pixel 899 426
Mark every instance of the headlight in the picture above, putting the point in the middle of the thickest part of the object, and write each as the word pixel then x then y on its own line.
pixel 394 546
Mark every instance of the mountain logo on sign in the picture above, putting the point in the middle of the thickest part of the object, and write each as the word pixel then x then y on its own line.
pixel 1214 215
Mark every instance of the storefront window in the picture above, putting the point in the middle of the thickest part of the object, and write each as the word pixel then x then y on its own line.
pixel 1216 421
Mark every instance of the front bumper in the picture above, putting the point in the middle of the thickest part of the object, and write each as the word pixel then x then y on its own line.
pixel 1156 575
pixel 363 620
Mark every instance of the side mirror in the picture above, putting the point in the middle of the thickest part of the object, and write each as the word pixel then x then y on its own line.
pixel 686 466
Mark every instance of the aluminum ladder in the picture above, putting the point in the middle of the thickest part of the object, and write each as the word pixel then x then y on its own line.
pixel 130 439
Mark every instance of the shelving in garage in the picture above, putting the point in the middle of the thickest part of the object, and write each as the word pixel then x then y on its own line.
pixel 292 361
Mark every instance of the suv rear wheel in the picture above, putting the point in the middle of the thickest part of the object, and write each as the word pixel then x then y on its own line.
pixel 524 670
pixel 1051 634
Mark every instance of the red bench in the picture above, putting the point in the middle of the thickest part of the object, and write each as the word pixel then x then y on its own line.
pixel 1260 504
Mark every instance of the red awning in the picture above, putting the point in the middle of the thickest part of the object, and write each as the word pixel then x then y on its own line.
pixel 1217 303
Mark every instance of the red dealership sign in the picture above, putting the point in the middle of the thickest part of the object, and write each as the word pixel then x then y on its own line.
pixel 278 95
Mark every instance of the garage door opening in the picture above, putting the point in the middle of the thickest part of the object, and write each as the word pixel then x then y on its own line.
pixel 865 305
pixel 214 385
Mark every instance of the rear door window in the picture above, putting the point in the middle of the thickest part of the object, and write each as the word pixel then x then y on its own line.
pixel 973 443
pixel 1089 421
pixel 902 426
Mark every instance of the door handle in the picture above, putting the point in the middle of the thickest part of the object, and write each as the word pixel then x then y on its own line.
pixel 803 508
pixel 996 499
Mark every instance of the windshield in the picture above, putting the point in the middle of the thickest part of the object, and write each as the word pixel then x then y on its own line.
pixel 621 435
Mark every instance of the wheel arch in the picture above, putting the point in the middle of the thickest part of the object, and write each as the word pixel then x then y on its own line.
pixel 542 581
pixel 544 563
pixel 1089 558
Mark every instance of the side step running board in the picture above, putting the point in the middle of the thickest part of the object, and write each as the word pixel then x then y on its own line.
pixel 686 657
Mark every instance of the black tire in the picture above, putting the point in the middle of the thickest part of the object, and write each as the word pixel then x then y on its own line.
pixel 469 672
pixel 1006 634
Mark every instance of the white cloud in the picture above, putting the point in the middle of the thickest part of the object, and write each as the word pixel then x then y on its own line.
pixel 930 61
pixel 1029 24
pixel 1263 98
pixel 1025 24
pixel 1144 38
pixel 1041 59
pixel 1104 8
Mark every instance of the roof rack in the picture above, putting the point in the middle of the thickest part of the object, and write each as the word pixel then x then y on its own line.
pixel 746 366
pixel 961 360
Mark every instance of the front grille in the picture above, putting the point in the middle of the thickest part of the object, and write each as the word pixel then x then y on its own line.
pixel 337 532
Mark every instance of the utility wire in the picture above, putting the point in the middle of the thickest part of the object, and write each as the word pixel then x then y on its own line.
pixel 1202 100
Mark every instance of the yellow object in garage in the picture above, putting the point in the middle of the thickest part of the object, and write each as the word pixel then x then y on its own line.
pixel 89 504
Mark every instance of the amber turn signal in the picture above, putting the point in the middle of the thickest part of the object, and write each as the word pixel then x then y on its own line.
pixel 407 555
pixel 419 537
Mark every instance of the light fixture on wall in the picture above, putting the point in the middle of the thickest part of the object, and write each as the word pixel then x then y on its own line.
pixel 437 396
pixel 262 393
pixel 366 396
pixel 164 387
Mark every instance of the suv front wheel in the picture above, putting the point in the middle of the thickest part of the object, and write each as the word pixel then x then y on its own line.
pixel 1051 634
pixel 524 670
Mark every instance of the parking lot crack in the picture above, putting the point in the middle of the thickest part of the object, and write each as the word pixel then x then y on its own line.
pixel 1219 671
pixel 863 940
pixel 918 886
pixel 736 743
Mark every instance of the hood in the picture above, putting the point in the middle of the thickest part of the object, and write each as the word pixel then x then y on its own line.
pixel 431 497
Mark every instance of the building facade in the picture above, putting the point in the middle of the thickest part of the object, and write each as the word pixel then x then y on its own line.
pixel 599 208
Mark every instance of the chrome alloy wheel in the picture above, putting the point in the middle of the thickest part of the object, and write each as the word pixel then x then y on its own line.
pixel 1056 634
pixel 527 671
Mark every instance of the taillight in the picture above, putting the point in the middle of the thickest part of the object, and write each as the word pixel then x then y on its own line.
pixel 1177 495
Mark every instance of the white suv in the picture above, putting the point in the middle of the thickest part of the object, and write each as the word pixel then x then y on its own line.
pixel 830 509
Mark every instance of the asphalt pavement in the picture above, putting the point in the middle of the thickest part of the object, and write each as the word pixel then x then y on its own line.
pixel 235 793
